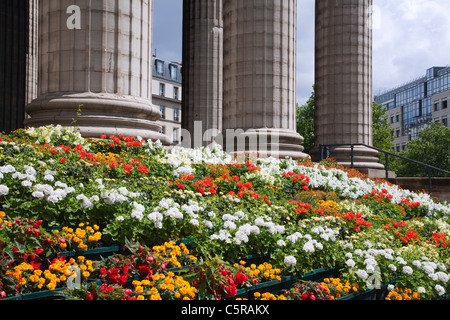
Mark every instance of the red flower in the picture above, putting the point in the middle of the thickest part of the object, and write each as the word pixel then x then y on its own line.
pixel 127 167
pixel 143 169
pixel 62 160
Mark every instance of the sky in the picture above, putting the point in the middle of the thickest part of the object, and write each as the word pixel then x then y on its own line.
pixel 409 36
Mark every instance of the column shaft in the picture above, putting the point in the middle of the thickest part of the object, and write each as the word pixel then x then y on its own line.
pixel 344 79
pixel 202 70
pixel 103 64
pixel 260 39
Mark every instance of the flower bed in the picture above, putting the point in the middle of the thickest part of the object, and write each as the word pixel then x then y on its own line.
pixel 169 224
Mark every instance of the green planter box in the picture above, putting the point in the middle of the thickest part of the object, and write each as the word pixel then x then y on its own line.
pixel 15 298
pixel 91 253
pixel 43 295
pixel 367 295
pixel 319 274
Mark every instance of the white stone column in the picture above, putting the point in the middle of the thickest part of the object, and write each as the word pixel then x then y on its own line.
pixel 260 43
pixel 344 80
pixel 32 53
pixel 202 71
pixel 98 54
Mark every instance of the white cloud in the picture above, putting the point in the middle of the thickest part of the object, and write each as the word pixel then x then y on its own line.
pixel 413 36
pixel 409 37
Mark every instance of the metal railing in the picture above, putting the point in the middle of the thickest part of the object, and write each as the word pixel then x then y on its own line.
pixel 325 152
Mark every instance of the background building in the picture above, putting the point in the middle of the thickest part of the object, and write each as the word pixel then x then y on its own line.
pixel 413 106
pixel 167 94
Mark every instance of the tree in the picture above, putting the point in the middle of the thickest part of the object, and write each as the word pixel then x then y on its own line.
pixel 383 133
pixel 383 137
pixel 305 122
pixel 432 147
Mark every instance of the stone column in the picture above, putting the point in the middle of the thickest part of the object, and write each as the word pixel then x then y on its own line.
pixel 344 80
pixel 97 55
pixel 32 52
pixel 260 42
pixel 13 63
pixel 202 71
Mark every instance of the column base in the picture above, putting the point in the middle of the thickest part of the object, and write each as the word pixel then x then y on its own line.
pixel 276 143
pixel 365 159
pixel 95 115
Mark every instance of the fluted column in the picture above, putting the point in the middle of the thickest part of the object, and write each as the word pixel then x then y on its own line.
pixel 32 52
pixel 344 79
pixel 260 39
pixel 202 71
pixel 98 55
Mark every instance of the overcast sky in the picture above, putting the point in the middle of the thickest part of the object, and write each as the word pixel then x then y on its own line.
pixel 409 37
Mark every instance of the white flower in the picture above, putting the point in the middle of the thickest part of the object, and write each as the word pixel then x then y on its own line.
pixel 48 178
pixel 38 194
pixel 230 225
pixel 442 276
pixel 194 222
pixel 408 270
pixel 281 243
pixel 26 183
pixel 350 262
pixel 421 290
pixel 208 224
pixel 392 267
pixel 417 263
pixel 223 235
pixel 362 274
pixel 440 289
pixel 120 218
pixel 294 237
pixel 241 237
pixel 85 202
pixel 391 287
pixel 4 190
pixel 212 214
pixel 309 247
pixel 290 261
pixel 138 211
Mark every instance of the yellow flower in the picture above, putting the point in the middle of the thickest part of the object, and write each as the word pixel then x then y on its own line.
pixel 140 298
pixel 139 289
pixel 51 286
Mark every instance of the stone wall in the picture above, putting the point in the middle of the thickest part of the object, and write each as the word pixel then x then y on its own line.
pixel 441 186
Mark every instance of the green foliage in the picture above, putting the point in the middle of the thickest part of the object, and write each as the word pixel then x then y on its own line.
pixel 382 131
pixel 431 147
pixel 305 122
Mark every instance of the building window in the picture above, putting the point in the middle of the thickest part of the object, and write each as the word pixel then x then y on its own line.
pixel 173 72
pixel 445 122
pixel 176 115
pixel 398 118
pixel 436 106
pixel 163 112
pixel 175 93
pixel 176 136
pixel 392 120
pixel 163 130
pixel 444 104
pixel 398 133
pixel 162 89
pixel 159 67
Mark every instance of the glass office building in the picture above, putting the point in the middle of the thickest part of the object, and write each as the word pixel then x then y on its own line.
pixel 413 106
